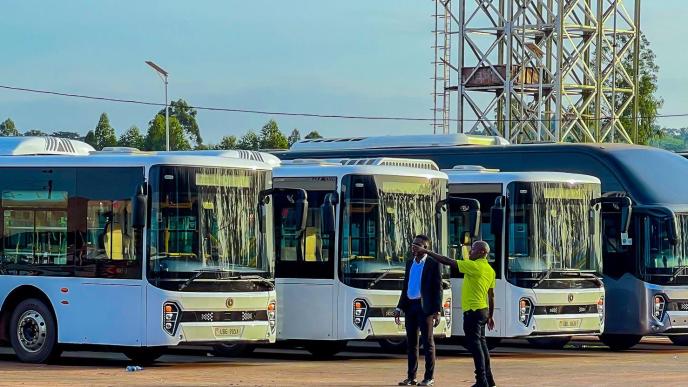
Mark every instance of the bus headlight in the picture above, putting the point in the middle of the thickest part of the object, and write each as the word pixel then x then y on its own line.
pixel 600 309
pixel 170 317
pixel 525 308
pixel 447 311
pixel 272 312
pixel 659 307
pixel 360 313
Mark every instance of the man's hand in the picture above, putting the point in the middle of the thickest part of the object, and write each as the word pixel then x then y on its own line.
pixel 490 324
pixel 397 316
pixel 436 319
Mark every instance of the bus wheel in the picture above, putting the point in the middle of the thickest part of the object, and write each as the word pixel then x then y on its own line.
pixel 233 349
pixel 33 332
pixel 393 345
pixel 620 342
pixel 325 349
pixel 143 356
pixel 679 340
pixel 550 342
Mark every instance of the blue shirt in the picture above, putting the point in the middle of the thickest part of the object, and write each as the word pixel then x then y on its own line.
pixel 415 274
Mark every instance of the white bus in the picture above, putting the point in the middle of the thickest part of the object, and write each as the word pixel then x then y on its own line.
pixel 136 251
pixel 339 278
pixel 544 232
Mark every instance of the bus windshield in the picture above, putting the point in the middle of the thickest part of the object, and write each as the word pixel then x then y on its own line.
pixel 204 230
pixel 549 229
pixel 666 262
pixel 380 217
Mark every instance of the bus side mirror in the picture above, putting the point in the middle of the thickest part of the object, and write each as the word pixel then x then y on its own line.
pixel 328 212
pixel 592 218
pixel 301 208
pixel 497 216
pixel 263 201
pixel 139 207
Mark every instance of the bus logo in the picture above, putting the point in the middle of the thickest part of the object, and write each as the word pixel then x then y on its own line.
pixel 570 297
pixel 229 302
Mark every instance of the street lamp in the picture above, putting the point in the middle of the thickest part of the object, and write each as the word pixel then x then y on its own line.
pixel 163 74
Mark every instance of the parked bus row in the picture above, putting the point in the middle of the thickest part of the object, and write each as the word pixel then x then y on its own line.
pixel 644 247
pixel 137 251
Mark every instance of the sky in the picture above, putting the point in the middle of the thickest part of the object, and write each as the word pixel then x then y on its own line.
pixel 354 58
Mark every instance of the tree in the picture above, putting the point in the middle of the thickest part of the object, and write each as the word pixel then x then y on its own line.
pixel 648 103
pixel 227 143
pixel 186 116
pixel 271 137
pixel 156 139
pixel 90 139
pixel 68 135
pixel 35 133
pixel 313 135
pixel 132 138
pixel 104 133
pixel 294 137
pixel 8 129
pixel 249 141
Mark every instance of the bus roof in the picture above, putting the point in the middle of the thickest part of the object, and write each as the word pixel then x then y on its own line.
pixel 409 141
pixel 339 168
pixel 475 175
pixel 648 175
pixel 57 152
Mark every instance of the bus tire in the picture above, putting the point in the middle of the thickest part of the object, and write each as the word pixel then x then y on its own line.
pixel 549 342
pixel 325 349
pixel 393 345
pixel 681 340
pixel 33 332
pixel 233 349
pixel 620 342
pixel 143 356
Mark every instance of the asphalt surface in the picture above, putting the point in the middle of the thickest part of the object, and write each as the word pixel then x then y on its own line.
pixel 582 363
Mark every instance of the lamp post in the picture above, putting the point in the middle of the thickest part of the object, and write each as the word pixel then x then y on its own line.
pixel 163 74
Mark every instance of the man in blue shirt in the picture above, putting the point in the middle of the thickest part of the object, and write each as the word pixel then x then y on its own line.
pixel 421 302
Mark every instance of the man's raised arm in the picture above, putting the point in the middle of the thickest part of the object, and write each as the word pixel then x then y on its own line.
pixel 441 258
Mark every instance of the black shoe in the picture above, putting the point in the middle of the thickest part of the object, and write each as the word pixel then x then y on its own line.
pixel 408 382
pixel 427 382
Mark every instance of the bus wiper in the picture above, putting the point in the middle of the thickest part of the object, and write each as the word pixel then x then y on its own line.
pixel 591 276
pixel 381 276
pixel 197 275
pixel 545 275
pixel 679 271
pixel 255 277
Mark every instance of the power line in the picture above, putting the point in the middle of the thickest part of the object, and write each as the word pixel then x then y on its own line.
pixel 298 114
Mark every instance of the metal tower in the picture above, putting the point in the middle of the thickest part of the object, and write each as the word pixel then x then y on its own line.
pixel 537 70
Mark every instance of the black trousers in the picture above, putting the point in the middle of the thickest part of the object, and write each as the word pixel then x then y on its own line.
pixel 474 328
pixel 416 321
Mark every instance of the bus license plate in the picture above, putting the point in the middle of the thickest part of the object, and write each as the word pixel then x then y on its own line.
pixel 227 331
pixel 570 323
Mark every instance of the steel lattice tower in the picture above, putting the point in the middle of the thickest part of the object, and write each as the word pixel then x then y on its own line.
pixel 537 70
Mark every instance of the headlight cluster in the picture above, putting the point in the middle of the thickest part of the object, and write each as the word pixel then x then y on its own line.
pixel 600 309
pixel 360 313
pixel 170 317
pixel 659 307
pixel 525 311
pixel 447 311
pixel 272 309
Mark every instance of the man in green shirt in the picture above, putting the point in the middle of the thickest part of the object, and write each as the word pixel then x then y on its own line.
pixel 477 302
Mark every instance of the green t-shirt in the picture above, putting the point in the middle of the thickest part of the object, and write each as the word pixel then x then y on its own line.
pixel 478 278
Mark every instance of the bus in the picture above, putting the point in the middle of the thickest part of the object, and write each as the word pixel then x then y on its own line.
pixel 644 271
pixel 340 276
pixel 132 251
pixel 543 229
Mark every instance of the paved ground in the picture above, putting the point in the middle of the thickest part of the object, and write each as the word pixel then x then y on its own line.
pixel 585 363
